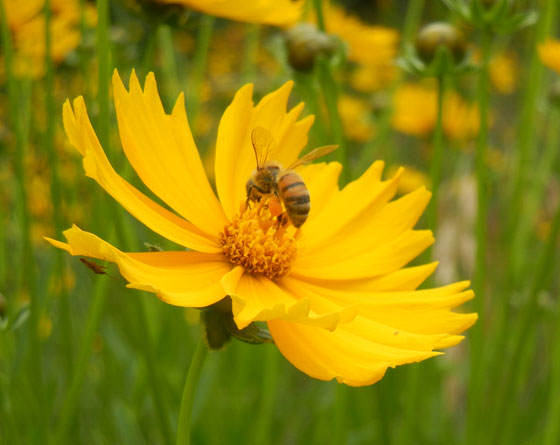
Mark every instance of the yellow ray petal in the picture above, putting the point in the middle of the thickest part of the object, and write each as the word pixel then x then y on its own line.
pixel 408 278
pixel 271 12
pixel 424 312
pixel 361 197
pixel 235 158
pixel 321 180
pixel 344 355
pixel 162 151
pixel 97 166
pixel 371 230
pixel 384 259
pixel 189 279
pixel 256 298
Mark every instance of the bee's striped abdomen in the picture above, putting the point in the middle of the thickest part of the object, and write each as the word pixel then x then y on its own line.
pixel 295 196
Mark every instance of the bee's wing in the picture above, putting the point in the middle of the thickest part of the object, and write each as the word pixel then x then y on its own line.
pixel 313 154
pixel 261 139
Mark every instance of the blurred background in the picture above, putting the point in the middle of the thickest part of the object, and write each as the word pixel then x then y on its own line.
pixel 85 360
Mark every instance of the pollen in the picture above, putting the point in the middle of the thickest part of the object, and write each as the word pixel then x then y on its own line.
pixel 256 240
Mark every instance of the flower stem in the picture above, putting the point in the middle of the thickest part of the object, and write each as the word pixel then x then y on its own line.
pixel 251 48
pixel 268 397
pixel 480 230
pixel 203 38
pixel 165 38
pixel 437 156
pixel 330 95
pixel 193 375
pixel 68 410
pixel 19 95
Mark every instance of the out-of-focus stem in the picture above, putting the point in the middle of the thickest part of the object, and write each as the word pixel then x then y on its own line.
pixel 203 38
pixel 268 396
pixel 479 278
pixel 193 376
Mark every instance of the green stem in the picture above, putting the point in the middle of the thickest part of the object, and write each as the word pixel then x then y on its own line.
pixel 203 38
pixel 165 37
pixel 55 185
pixel 526 136
pixel 330 95
pixel 318 5
pixel 412 20
pixel 268 397
pixel 251 51
pixel 69 406
pixel 479 278
pixel 437 156
pixel 19 100
pixel 185 412
pixel 552 423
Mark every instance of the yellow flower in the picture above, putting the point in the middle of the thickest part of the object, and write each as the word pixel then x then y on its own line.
pixel 367 44
pixel 415 112
pixel 27 24
pixel 549 52
pixel 411 179
pixel 270 12
pixel 337 297
pixel 355 115
pixel 503 72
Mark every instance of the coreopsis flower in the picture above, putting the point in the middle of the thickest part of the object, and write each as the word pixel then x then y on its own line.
pixel 504 70
pixel 335 293
pixel 355 114
pixel 269 12
pixel 549 53
pixel 27 25
pixel 369 45
pixel 415 112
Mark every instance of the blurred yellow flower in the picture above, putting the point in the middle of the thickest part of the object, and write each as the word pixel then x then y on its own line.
pixel 415 112
pixel 355 114
pixel 337 297
pixel 368 78
pixel 269 12
pixel 503 72
pixel 367 44
pixel 27 24
pixel 411 179
pixel 549 52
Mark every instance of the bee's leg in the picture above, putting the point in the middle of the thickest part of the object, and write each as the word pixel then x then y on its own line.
pixel 282 219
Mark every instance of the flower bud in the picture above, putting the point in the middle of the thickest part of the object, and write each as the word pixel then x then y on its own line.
pixel 437 34
pixel 305 43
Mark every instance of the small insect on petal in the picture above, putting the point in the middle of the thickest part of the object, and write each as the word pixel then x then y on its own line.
pixel 96 268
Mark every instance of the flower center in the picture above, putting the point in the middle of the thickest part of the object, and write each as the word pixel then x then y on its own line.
pixel 256 240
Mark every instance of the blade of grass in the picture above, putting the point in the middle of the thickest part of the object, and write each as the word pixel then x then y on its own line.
pixel 203 39
pixel 479 279
pixel 19 100
pixel 193 376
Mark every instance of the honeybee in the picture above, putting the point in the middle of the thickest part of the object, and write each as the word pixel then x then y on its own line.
pixel 270 178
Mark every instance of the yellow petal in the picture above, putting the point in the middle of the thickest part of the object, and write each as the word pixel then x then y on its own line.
pixel 361 197
pixel 321 180
pixel 235 157
pixel 256 298
pixel 181 278
pixel 350 357
pixel 368 231
pixel 384 259
pixel 161 149
pixel 97 166
pixel 271 12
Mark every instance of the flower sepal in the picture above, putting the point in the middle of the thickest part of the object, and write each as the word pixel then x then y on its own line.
pixel 219 327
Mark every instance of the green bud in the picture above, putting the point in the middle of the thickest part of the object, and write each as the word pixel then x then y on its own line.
pixel 439 34
pixel 305 43
pixel 219 327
